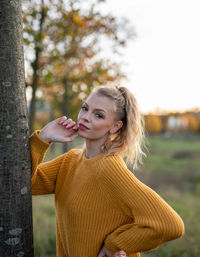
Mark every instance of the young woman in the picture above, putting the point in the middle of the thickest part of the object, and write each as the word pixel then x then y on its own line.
pixel 102 209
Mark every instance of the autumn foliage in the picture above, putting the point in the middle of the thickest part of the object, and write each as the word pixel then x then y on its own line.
pixel 63 52
pixel 173 122
pixel 153 123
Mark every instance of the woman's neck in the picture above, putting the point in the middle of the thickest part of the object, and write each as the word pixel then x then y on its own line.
pixel 93 148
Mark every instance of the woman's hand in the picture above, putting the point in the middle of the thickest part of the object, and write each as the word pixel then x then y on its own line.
pixel 105 252
pixel 59 130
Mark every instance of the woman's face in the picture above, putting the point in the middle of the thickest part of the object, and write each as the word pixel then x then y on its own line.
pixel 97 118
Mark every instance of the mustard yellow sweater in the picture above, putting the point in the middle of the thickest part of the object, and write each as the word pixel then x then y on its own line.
pixel 98 201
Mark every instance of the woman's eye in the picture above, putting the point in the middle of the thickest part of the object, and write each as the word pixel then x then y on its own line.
pixel 99 116
pixel 84 108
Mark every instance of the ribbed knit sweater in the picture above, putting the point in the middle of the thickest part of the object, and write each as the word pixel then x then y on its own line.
pixel 98 201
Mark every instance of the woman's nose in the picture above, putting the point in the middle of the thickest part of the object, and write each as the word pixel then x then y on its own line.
pixel 86 116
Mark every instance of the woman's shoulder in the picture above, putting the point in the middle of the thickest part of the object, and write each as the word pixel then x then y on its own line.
pixel 114 160
pixel 73 153
pixel 69 158
pixel 115 176
pixel 115 165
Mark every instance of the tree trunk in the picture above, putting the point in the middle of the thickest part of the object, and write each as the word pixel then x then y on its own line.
pixel 15 188
pixel 52 117
pixel 36 66
pixel 65 110
pixel 32 105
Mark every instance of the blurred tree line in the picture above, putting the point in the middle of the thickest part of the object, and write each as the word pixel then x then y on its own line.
pixel 62 43
pixel 187 122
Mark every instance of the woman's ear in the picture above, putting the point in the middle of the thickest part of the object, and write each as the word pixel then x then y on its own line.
pixel 118 124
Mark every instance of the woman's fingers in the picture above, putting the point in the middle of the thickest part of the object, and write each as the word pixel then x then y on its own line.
pixel 68 123
pixel 55 131
pixel 119 254
pixel 62 119
pixel 75 128
pixel 109 253
pixel 65 122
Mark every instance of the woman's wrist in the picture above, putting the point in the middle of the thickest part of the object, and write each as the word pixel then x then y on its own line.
pixel 44 137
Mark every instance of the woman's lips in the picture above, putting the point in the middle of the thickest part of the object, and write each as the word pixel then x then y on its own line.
pixel 82 127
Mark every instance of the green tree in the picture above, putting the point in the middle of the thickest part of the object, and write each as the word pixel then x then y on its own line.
pixel 64 40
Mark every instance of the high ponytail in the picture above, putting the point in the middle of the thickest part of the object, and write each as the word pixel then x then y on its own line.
pixel 128 141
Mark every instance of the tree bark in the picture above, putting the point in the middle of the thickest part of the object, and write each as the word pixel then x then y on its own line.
pixel 16 239
pixel 65 147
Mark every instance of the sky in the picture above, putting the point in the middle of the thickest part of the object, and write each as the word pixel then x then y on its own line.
pixel 163 61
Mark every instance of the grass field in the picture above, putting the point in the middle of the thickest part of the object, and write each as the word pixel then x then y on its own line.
pixel 171 168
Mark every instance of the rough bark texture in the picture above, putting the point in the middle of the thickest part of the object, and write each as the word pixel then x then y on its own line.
pixel 16 238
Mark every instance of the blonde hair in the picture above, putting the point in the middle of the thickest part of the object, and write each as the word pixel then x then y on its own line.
pixel 128 141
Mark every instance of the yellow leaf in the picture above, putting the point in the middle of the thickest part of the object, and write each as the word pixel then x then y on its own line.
pixel 43 36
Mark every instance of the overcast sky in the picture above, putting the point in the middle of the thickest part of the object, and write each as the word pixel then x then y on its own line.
pixel 163 62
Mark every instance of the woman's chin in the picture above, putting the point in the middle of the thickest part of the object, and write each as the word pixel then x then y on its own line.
pixel 81 133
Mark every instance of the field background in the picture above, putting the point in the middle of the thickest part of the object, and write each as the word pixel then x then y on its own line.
pixel 171 168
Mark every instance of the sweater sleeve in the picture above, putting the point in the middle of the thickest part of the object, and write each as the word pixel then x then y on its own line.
pixel 153 220
pixel 44 175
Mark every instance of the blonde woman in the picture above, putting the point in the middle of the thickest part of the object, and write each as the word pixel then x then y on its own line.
pixel 102 209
